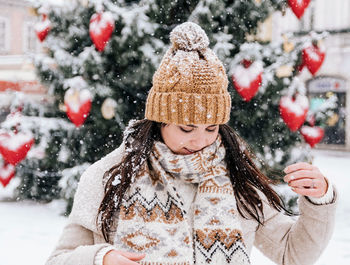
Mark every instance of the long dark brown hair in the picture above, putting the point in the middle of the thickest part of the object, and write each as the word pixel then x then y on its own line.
pixel 245 176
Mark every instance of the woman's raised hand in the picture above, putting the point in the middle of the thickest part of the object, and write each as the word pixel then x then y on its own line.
pixel 117 257
pixel 306 179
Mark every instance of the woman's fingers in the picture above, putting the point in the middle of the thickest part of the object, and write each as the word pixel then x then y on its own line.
pixel 118 257
pixel 122 260
pixel 298 166
pixel 306 179
pixel 308 183
pixel 307 192
pixel 131 255
pixel 301 174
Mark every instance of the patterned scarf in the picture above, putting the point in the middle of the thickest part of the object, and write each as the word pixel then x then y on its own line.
pixel 161 218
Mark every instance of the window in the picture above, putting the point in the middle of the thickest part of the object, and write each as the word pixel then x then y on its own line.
pixel 4 34
pixel 30 40
pixel 320 15
pixel 331 15
pixel 319 89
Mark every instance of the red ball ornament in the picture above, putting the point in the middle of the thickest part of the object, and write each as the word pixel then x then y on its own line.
pixel 7 172
pixel 298 7
pixel 42 28
pixel 312 135
pixel 247 78
pixel 100 29
pixel 78 105
pixel 313 57
pixel 14 147
pixel 294 110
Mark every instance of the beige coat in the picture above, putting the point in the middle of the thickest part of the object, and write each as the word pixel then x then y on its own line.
pixel 283 239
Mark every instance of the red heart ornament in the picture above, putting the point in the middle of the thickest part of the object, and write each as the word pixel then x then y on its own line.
pixel 298 7
pixel 14 147
pixel 78 104
pixel 247 79
pixel 42 28
pixel 7 172
pixel 312 135
pixel 313 58
pixel 101 28
pixel 294 111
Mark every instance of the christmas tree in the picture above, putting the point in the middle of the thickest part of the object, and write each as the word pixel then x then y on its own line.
pixel 98 66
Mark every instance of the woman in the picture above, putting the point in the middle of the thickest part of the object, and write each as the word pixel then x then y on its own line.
pixel 183 189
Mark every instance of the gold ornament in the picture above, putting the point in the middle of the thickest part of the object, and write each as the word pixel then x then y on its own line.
pixel 264 32
pixel 62 107
pixel 108 108
pixel 284 71
pixel 287 45
pixel 258 2
pixel 329 94
pixel 333 120
pixel 33 11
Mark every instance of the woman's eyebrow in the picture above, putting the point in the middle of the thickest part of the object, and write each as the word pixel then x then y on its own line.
pixel 194 126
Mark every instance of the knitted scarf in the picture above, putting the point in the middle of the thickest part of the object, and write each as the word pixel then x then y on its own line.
pixel 161 218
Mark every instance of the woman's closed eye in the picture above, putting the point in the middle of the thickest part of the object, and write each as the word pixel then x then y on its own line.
pixel 209 129
pixel 185 130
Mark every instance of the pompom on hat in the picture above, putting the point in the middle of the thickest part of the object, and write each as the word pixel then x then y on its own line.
pixel 190 85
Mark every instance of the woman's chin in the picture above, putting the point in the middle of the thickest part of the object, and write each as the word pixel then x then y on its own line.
pixel 187 152
pixel 182 151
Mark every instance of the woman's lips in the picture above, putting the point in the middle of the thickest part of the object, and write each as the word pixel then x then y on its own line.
pixel 189 151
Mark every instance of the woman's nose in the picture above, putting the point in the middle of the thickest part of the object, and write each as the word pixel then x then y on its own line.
pixel 199 142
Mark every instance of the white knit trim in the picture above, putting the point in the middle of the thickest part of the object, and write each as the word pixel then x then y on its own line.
pixel 101 254
pixel 325 199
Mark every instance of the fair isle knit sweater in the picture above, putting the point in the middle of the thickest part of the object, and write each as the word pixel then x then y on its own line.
pixel 283 239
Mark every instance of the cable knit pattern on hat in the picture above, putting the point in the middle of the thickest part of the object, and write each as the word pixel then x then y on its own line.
pixel 190 85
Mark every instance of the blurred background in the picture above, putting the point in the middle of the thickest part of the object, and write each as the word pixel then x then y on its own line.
pixel 73 73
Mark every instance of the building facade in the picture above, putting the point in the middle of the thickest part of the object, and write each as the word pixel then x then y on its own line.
pixel 18 43
pixel 333 77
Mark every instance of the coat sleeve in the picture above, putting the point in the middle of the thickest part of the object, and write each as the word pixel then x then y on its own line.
pixel 77 244
pixel 296 241
pixel 75 247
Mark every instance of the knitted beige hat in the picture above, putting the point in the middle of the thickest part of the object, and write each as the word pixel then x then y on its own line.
pixel 190 85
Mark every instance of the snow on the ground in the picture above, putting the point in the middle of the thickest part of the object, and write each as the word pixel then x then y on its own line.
pixel 29 231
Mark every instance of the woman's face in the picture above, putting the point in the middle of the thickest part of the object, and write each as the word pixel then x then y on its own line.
pixel 187 139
